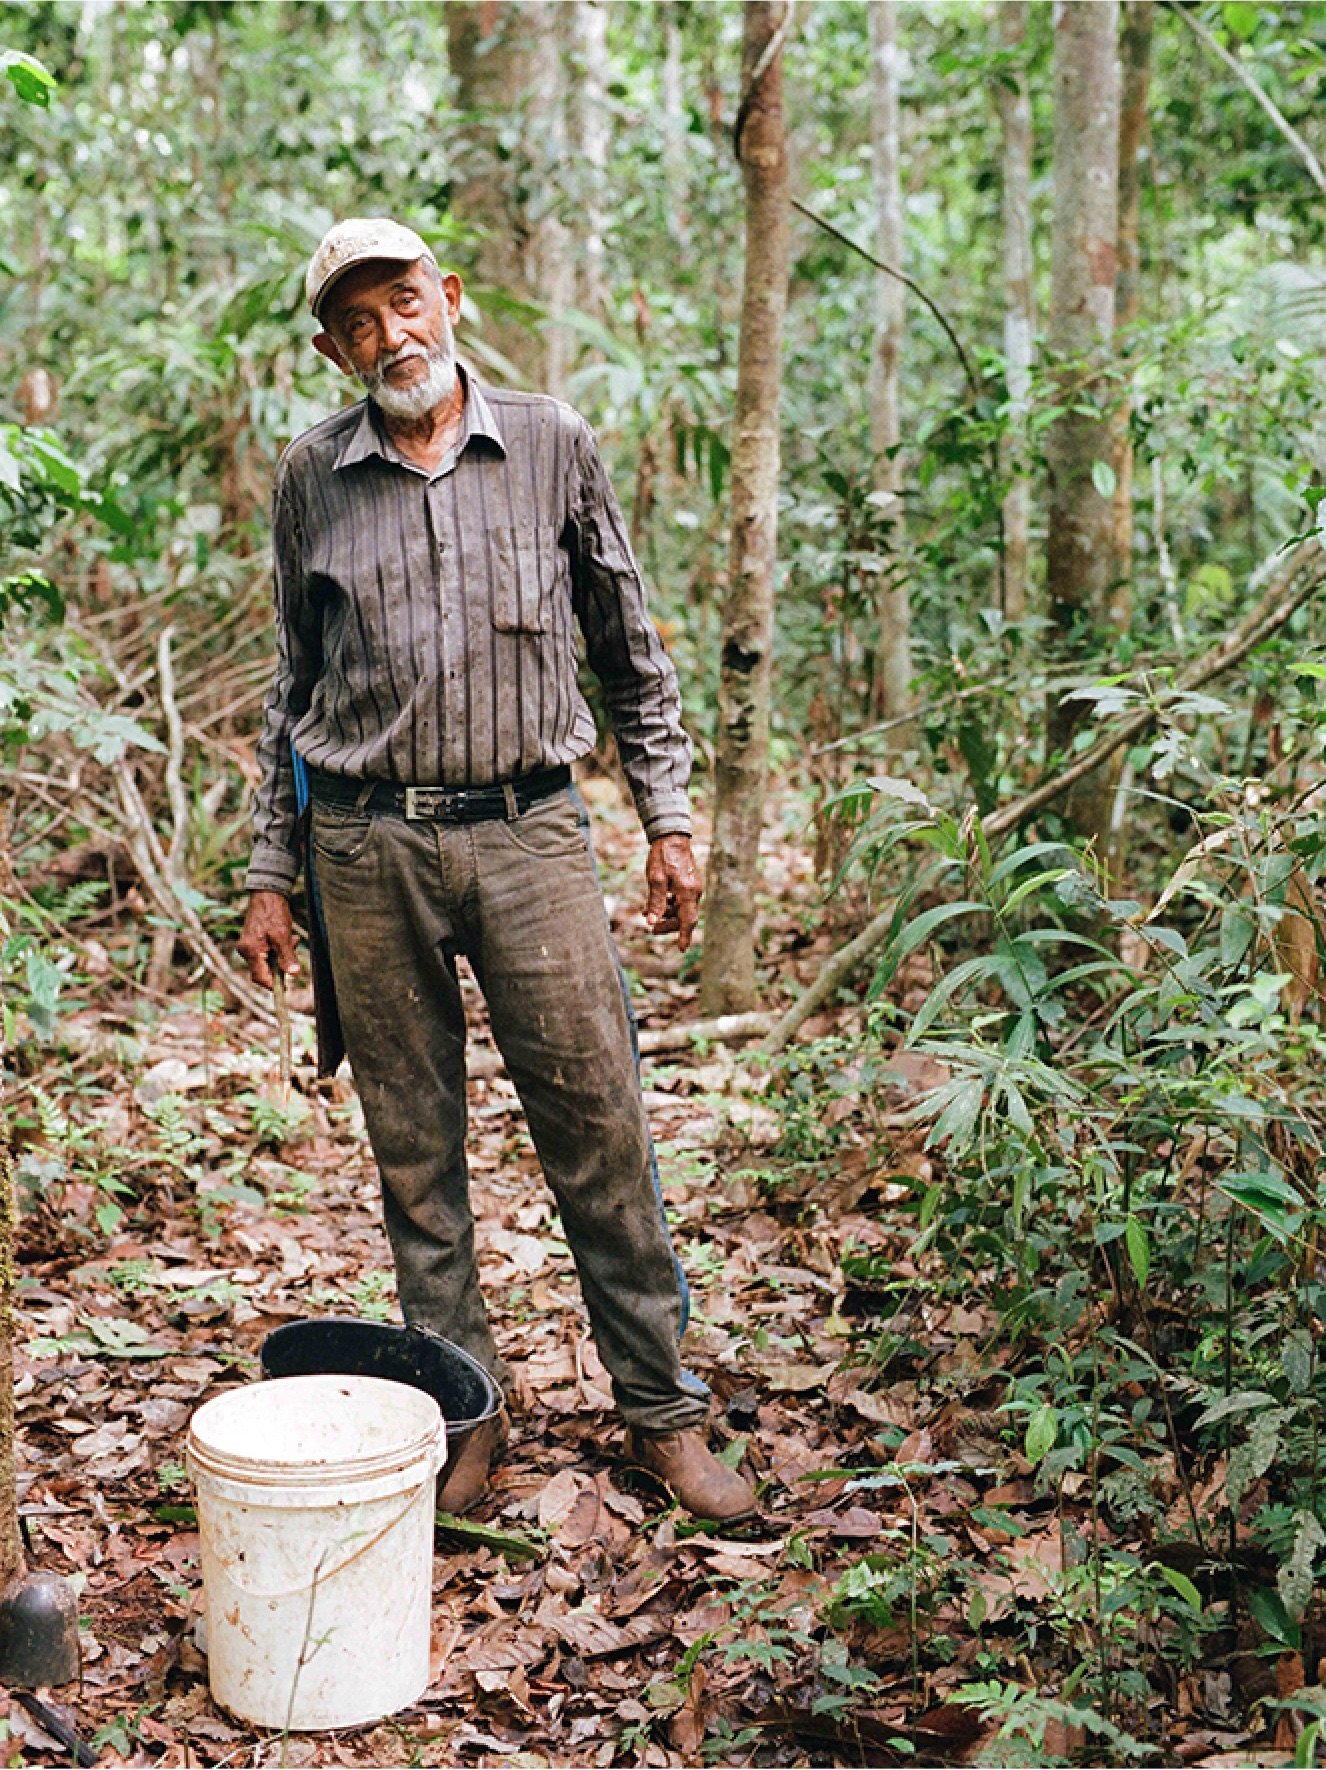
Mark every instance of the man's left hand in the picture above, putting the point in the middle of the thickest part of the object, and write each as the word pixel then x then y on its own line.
pixel 673 877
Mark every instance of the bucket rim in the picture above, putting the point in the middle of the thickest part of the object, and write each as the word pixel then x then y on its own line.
pixel 455 1428
pixel 265 1471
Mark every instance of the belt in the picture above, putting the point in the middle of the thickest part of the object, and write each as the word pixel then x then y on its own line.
pixel 440 805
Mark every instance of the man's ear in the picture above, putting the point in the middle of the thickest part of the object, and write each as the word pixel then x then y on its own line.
pixel 451 287
pixel 327 346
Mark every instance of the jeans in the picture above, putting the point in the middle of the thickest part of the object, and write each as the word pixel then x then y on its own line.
pixel 520 899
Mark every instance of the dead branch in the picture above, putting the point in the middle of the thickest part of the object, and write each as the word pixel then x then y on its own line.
pixel 723 1029
pixel 151 865
pixel 176 858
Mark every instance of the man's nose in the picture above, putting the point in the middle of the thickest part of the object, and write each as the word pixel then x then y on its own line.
pixel 393 332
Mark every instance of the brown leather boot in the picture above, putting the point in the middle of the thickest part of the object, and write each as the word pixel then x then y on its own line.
pixel 464 1478
pixel 693 1474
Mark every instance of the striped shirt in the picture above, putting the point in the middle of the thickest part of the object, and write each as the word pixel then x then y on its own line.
pixel 426 623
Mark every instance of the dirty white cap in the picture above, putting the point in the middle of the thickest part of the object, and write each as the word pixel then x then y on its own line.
pixel 355 242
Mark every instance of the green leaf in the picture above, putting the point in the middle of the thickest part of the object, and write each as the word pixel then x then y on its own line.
pixel 1249 1461
pixel 1240 1402
pixel 1181 1584
pixel 958 1119
pixel 1042 1432
pixel 1104 478
pixel 1240 18
pixel 506 1542
pixel 1296 1360
pixel 33 83
pixel 1294 1581
pixel 1268 1196
pixel 1139 1250
pixel 1270 1613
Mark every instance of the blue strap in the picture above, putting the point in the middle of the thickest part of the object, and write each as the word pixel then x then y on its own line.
pixel 301 779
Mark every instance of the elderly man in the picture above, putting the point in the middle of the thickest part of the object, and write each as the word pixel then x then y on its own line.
pixel 436 547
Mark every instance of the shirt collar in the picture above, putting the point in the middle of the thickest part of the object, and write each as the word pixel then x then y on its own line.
pixel 369 436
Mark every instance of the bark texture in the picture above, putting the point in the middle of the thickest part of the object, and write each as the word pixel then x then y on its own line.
pixel 586 26
pixel 1080 553
pixel 1135 57
pixel 891 690
pixel 674 122
pixel 12 1560
pixel 1019 299
pixel 744 673
pixel 506 62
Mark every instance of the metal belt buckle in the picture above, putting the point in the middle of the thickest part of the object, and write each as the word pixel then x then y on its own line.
pixel 426 802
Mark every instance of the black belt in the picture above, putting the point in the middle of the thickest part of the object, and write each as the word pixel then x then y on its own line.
pixel 440 805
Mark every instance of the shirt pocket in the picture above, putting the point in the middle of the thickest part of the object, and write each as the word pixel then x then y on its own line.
pixel 524 573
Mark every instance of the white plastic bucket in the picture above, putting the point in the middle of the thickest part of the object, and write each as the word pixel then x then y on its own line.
pixel 315 1515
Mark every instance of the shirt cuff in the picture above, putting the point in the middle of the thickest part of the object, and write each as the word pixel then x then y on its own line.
pixel 665 814
pixel 272 869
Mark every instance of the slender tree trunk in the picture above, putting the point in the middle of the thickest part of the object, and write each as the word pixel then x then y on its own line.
pixel 1080 554
pixel 674 122
pixel 744 675
pixel 12 1560
pixel 587 126
pixel 1135 54
pixel 891 692
pixel 553 249
pixel 1019 299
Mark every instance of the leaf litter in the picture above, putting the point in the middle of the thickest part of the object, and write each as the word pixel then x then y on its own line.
pixel 578 1618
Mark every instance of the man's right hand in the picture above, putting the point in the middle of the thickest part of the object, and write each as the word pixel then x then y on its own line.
pixel 269 937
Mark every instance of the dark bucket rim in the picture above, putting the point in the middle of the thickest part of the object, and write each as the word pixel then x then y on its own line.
pixel 403 1331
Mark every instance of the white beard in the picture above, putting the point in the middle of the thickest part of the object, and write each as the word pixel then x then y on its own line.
pixel 421 396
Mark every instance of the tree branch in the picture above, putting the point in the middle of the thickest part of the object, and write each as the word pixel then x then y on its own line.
pixel 891 270
pixel 1258 91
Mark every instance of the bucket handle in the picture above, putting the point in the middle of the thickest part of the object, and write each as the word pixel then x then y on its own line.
pixel 320 1574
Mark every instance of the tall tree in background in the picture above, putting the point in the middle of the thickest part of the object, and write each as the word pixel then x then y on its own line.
pixel 674 120
pixel 1080 442
pixel 507 63
pixel 1135 55
pixel 893 655
pixel 744 673
pixel 1019 297
pixel 585 23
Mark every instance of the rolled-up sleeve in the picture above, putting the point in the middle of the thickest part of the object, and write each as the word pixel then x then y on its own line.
pixel 274 865
pixel 624 648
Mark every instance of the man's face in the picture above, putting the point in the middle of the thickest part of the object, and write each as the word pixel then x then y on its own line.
pixel 389 325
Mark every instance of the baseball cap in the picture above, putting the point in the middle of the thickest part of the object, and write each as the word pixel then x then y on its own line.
pixel 355 242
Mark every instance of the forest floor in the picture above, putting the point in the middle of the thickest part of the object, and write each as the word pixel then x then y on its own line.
pixel 176 1212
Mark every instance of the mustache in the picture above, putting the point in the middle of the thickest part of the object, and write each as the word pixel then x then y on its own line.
pixel 389 358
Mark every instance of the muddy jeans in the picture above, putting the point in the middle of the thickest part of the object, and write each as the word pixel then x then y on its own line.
pixel 521 901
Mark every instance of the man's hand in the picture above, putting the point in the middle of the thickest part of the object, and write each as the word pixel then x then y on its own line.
pixel 268 937
pixel 674 884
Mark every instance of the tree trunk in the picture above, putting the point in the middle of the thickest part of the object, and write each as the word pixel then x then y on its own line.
pixel 1080 554
pixel 891 691
pixel 1135 54
pixel 587 126
pixel 674 123
pixel 744 672
pixel 506 63
pixel 1019 299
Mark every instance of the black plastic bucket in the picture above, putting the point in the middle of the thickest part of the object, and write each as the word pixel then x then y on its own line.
pixel 341 1346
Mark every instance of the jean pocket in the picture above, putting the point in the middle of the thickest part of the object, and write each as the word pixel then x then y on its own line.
pixel 549 830
pixel 525 560
pixel 340 832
